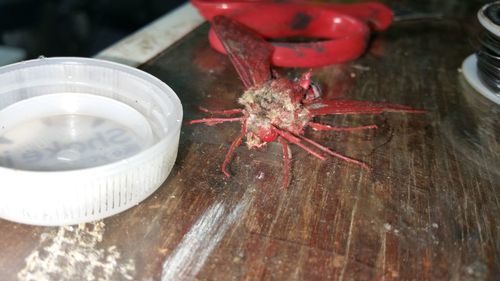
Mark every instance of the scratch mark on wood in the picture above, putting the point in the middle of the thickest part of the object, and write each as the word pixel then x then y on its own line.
pixel 73 253
pixel 204 236
pixel 384 255
pixel 478 224
pixel 351 227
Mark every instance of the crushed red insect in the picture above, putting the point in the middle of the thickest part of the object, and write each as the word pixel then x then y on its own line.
pixel 276 108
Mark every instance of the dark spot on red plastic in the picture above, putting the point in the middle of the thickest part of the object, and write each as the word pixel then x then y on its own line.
pixel 297 39
pixel 300 21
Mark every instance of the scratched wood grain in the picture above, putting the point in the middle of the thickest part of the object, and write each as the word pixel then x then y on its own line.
pixel 428 211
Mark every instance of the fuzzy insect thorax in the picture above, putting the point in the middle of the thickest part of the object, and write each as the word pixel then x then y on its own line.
pixel 275 104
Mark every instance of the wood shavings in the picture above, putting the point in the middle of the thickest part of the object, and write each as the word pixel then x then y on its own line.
pixel 74 253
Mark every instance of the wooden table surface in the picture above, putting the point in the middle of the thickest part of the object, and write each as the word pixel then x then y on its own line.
pixel 428 211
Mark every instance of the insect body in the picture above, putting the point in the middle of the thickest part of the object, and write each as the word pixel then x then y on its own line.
pixel 274 105
pixel 276 108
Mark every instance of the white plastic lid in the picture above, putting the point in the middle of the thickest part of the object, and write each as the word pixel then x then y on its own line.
pixel 486 22
pixel 82 139
pixel 469 70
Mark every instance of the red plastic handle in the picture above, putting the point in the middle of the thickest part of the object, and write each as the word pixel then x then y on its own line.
pixel 377 15
pixel 344 37
pixel 342 29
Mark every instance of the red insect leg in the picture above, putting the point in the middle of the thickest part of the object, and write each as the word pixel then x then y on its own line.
pixel 286 162
pixel 222 112
pixel 234 145
pixel 297 140
pixel 305 79
pixel 215 121
pixel 335 154
pixel 325 127
pixel 357 107
pixel 293 139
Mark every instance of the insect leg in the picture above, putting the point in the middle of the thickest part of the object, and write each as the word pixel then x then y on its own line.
pixel 234 145
pixel 215 121
pixel 325 127
pixel 221 112
pixel 293 139
pixel 335 154
pixel 305 79
pixel 327 107
pixel 286 162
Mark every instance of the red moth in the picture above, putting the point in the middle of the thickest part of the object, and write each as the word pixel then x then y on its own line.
pixel 275 108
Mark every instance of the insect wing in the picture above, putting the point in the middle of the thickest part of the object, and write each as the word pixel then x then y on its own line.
pixel 248 51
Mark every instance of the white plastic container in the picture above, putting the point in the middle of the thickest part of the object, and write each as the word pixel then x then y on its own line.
pixel 82 139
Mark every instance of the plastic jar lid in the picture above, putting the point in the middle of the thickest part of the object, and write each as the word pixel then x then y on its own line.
pixel 469 70
pixel 82 139
pixel 488 17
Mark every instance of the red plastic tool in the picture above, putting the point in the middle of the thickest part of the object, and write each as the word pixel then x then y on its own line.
pixel 342 30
